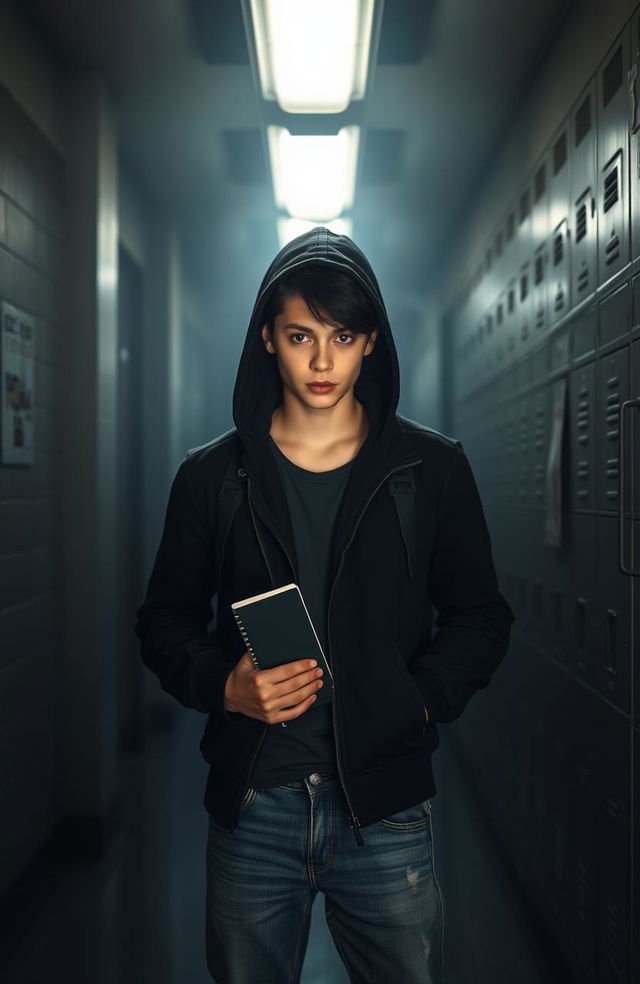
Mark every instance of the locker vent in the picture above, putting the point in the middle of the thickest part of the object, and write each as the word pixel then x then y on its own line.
pixel 558 301
pixel 558 248
pixel 540 183
pixel 612 249
pixel 524 286
pixel 524 205
pixel 500 313
pixel 612 77
pixel 583 120
pixel 581 222
pixel 583 279
pixel 611 194
pixel 559 153
pixel 539 269
pixel 511 300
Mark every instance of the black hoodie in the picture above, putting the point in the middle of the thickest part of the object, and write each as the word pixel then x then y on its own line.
pixel 387 664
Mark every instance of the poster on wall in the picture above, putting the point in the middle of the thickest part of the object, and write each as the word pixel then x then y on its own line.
pixel 17 385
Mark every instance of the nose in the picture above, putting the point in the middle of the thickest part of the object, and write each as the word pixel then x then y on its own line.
pixel 321 360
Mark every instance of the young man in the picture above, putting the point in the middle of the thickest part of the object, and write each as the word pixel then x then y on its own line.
pixel 333 798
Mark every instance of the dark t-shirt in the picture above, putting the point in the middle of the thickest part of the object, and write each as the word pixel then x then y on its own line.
pixel 306 744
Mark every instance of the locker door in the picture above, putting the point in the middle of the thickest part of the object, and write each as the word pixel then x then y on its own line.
pixel 613 160
pixel 524 309
pixel 634 134
pixel 612 791
pixel 540 266
pixel 612 390
pixel 559 211
pixel 582 178
pixel 582 417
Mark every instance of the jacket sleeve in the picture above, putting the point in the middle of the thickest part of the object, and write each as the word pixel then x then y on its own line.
pixel 172 622
pixel 474 619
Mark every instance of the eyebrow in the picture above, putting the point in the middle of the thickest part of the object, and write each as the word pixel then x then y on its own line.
pixel 293 324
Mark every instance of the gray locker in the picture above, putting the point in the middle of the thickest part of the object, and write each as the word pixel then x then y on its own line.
pixel 581 649
pixel 614 326
pixel 524 309
pixel 613 619
pixel 634 133
pixel 501 331
pixel 612 790
pixel 511 319
pixel 582 445
pixel 539 443
pixel 613 160
pixel 584 332
pixel 559 297
pixel 582 180
pixel 612 382
pixel 540 243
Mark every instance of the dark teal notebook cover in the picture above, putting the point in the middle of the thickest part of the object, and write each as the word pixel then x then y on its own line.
pixel 278 629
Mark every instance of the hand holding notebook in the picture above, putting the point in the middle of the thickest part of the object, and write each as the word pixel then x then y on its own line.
pixel 277 629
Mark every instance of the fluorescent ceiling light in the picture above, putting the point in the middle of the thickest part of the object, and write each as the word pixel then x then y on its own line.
pixel 313 55
pixel 288 229
pixel 314 176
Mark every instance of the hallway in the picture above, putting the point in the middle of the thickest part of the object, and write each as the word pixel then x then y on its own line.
pixel 136 917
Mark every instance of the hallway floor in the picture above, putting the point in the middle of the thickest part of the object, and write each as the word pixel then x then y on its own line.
pixel 137 916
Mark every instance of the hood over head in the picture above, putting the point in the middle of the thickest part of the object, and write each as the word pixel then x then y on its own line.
pixel 258 387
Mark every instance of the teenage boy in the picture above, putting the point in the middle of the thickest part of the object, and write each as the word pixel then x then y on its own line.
pixel 333 798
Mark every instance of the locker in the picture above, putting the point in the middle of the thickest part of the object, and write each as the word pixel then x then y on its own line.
pixel 612 389
pixel 524 293
pixel 634 134
pixel 614 324
pixel 582 446
pixel 612 667
pixel 539 443
pixel 511 454
pixel 584 328
pixel 582 181
pixel 501 332
pixel 523 443
pixel 539 268
pixel 511 320
pixel 557 607
pixel 613 856
pixel 613 160
pixel 581 643
pixel 559 296
pixel 570 833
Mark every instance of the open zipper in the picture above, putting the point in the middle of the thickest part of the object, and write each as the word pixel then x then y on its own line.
pixel 355 821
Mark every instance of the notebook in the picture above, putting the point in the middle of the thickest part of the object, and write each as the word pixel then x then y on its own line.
pixel 277 628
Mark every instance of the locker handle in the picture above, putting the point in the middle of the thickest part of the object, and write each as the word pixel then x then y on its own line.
pixel 627 405
pixel 632 78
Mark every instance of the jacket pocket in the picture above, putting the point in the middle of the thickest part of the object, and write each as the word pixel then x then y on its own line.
pixel 414 694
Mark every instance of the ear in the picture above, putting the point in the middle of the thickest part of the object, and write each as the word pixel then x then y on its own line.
pixel 371 341
pixel 266 337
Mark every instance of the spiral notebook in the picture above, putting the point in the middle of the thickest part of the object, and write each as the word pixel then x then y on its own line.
pixel 277 628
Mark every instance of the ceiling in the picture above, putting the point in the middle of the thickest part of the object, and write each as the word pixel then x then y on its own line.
pixel 445 85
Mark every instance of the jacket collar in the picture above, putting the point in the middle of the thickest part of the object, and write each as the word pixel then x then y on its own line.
pixel 373 463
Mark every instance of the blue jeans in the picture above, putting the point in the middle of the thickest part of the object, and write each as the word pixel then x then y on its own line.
pixel 382 903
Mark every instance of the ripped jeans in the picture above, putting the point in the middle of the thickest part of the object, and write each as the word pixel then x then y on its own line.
pixel 383 904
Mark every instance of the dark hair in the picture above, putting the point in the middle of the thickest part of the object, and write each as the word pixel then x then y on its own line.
pixel 332 295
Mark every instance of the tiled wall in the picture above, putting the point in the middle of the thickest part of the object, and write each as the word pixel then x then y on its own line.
pixel 31 252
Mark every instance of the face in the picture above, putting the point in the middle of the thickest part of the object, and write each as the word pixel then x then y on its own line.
pixel 310 352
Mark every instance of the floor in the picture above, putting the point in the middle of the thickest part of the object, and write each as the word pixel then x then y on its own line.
pixel 138 914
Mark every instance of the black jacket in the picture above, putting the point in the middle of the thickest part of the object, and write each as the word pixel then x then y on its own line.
pixel 386 662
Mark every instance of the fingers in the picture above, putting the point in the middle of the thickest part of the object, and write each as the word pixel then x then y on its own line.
pixel 277 674
pixel 291 703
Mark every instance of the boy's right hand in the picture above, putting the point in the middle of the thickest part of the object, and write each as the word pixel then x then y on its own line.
pixel 277 694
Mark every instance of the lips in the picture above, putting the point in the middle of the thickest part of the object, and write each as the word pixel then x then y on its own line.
pixel 321 387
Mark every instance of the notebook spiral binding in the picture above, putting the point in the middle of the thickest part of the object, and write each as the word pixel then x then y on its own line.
pixel 246 639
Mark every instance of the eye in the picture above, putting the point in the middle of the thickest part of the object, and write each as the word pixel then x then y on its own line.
pixel 344 334
pixel 298 334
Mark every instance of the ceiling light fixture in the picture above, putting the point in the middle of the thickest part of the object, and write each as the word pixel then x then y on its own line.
pixel 314 176
pixel 313 55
